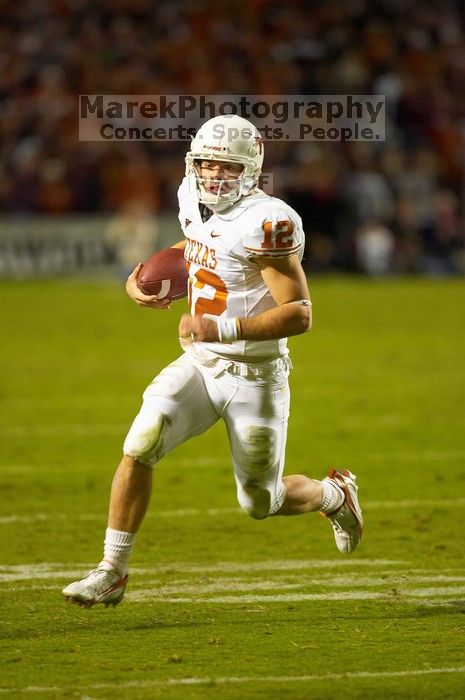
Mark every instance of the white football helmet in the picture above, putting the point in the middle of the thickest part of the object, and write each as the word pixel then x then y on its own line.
pixel 232 139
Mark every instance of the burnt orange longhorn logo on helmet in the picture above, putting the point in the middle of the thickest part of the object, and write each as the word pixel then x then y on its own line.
pixel 259 143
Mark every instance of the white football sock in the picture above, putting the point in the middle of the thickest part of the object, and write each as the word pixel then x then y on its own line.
pixel 117 549
pixel 333 496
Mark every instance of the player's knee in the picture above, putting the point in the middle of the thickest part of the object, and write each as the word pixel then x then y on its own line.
pixel 254 500
pixel 145 440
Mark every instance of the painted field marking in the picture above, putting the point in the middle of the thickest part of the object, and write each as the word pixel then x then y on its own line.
pixel 403 504
pixel 394 579
pixel 415 503
pixel 424 455
pixel 52 429
pixel 74 401
pixel 237 680
pixel 28 467
pixel 285 586
pixel 301 580
pixel 405 595
pixel 81 429
pixel 163 592
pixel 47 571
pixel 288 581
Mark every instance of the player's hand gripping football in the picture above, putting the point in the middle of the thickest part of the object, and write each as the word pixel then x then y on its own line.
pixel 149 301
pixel 198 328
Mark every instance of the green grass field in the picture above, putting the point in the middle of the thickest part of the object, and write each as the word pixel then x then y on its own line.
pixel 219 605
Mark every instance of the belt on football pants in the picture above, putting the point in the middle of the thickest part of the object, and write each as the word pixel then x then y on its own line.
pixel 249 371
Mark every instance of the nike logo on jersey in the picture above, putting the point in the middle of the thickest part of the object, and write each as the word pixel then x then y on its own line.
pixel 215 234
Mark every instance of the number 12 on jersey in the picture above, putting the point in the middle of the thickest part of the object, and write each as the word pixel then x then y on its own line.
pixel 277 236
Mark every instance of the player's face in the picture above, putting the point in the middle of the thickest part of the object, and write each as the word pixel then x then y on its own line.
pixel 218 173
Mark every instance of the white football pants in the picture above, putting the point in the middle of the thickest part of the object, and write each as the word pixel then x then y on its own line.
pixel 188 397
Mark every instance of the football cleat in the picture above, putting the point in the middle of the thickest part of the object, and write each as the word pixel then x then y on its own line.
pixel 347 521
pixel 99 586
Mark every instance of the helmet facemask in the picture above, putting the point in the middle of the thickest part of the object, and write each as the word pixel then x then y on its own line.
pixel 229 191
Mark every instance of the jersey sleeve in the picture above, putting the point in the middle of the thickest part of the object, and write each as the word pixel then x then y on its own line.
pixel 188 205
pixel 183 199
pixel 275 233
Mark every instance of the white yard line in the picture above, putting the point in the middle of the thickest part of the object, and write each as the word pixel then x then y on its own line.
pixel 23 468
pixel 414 503
pixel 403 595
pixel 45 571
pixel 284 581
pixel 71 401
pixel 353 582
pixel 179 513
pixel 404 504
pixel 399 579
pixel 394 580
pixel 239 680
pixel 54 430
pixel 407 455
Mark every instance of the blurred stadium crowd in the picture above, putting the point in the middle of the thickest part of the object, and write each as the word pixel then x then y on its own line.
pixel 396 206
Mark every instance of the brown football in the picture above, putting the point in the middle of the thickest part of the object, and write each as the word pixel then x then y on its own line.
pixel 165 274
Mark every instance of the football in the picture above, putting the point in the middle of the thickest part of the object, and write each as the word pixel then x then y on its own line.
pixel 165 274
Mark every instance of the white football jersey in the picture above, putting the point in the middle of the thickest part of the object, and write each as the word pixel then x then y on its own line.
pixel 221 254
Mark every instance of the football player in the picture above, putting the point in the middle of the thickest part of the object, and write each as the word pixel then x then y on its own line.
pixel 248 293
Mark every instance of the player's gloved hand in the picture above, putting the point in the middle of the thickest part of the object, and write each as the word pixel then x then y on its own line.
pixel 141 299
pixel 198 328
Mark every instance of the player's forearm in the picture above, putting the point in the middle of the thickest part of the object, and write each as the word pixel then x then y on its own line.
pixel 281 322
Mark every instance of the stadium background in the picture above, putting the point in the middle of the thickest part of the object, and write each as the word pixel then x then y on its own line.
pixel 389 208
